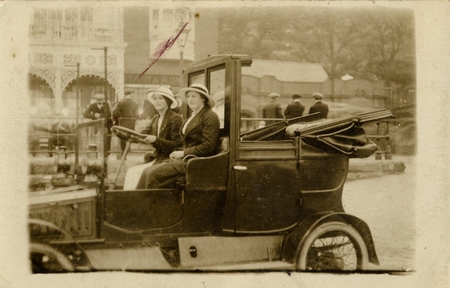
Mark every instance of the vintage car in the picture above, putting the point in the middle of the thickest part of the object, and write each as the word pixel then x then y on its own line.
pixel 269 199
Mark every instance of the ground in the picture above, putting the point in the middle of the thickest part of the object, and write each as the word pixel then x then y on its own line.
pixel 387 205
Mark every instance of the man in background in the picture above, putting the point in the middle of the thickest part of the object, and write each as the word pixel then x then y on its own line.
pixel 100 110
pixel 295 109
pixel 126 113
pixel 319 106
pixel 272 109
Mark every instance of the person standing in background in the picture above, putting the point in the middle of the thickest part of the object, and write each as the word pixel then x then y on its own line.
pixel 294 109
pixel 319 106
pixel 100 110
pixel 126 113
pixel 272 109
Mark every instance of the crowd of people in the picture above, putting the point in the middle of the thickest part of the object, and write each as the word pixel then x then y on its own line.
pixel 273 110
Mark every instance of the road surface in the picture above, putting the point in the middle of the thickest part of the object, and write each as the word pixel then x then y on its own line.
pixel 387 205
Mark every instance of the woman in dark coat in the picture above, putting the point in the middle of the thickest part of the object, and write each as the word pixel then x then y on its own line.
pixel 163 132
pixel 199 134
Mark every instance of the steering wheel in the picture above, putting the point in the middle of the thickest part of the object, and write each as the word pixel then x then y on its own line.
pixel 128 134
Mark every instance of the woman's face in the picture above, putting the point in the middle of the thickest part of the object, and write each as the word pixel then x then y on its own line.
pixel 159 102
pixel 194 100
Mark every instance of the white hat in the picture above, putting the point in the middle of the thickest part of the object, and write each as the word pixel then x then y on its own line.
pixel 199 88
pixel 165 92
pixel 318 96
pixel 99 96
pixel 274 95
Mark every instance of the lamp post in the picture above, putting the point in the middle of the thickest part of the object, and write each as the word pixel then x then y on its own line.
pixel 105 50
pixel 77 110
pixel 106 139
pixel 182 40
pixel 77 91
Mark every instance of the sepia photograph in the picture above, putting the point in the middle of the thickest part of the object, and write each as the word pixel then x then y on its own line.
pixel 206 140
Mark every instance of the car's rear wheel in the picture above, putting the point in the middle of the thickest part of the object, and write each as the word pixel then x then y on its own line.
pixel 333 246
pixel 45 259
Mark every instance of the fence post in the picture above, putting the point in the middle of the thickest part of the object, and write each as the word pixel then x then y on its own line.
pixel 388 155
pixel 378 152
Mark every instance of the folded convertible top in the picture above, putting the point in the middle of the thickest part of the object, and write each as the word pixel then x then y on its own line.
pixel 344 135
pixel 331 125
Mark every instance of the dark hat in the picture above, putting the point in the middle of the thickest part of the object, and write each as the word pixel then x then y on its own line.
pixel 318 96
pixel 296 96
pixel 128 92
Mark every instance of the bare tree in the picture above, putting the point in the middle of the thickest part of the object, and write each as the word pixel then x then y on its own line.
pixel 366 43
pixel 333 38
pixel 388 55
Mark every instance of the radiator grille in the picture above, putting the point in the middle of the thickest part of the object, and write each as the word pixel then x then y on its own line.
pixel 78 219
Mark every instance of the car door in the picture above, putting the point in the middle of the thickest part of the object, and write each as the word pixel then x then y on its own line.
pixel 268 192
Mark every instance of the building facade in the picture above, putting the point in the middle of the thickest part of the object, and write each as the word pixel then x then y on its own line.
pixel 113 46
pixel 144 47
pixel 146 30
pixel 60 39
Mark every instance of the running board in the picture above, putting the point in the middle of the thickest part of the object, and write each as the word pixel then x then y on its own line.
pixel 252 266
pixel 201 252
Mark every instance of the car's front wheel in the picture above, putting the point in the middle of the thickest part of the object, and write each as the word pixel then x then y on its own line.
pixel 45 259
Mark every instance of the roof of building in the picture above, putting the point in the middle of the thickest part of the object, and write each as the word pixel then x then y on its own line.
pixel 287 71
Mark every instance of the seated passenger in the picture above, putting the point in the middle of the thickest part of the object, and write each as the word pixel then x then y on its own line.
pixel 163 133
pixel 199 133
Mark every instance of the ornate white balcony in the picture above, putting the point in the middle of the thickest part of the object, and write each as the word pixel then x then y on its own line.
pixel 66 31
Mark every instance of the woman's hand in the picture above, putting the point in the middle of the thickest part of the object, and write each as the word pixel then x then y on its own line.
pixel 150 139
pixel 177 155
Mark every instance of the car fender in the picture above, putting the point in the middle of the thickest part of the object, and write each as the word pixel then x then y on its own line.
pixel 294 241
pixel 47 234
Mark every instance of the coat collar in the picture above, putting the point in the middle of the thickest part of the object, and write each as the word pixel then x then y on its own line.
pixel 194 122
pixel 164 123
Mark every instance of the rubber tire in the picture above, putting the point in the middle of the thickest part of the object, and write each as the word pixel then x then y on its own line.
pixel 64 263
pixel 355 237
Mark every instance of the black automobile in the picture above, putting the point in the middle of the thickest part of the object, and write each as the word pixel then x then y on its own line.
pixel 269 199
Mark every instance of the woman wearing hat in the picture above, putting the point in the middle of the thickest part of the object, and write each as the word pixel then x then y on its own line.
pixel 199 133
pixel 163 134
